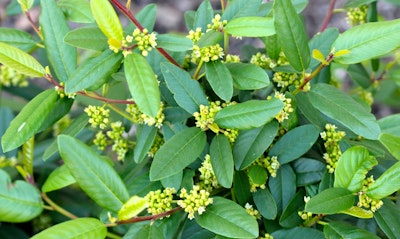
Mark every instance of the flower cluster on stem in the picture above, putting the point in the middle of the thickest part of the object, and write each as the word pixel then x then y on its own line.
pixel 252 211
pixel 208 180
pixel 10 77
pixel 287 109
pixel 217 24
pixel 99 116
pixel 357 15
pixel 332 138
pixel 269 163
pixel 138 117
pixel 195 201
pixel 160 201
pixel 364 200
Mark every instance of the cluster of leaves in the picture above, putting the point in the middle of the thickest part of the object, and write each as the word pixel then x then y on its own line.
pixel 261 145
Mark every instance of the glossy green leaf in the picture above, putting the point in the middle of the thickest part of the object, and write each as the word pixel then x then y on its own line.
pixel 220 79
pixel 338 230
pixel 173 42
pixel 148 232
pixel 242 8
pixel 20 61
pixel 290 216
pixel 27 155
pixel 177 153
pixel 17 38
pixel 203 16
pixel 390 124
pixel 145 138
pixel 142 83
pixel 363 45
pixel 249 114
pixel 20 200
pixel 60 109
pixel 308 171
pixel 251 144
pixel 62 57
pixel 352 168
pixel 257 174
pixel 81 228
pixel 272 46
pixel 386 184
pixel 226 218
pixel 251 26
pixel 265 203
pixel 222 160
pixel 298 232
pixel 337 105
pixel 147 16
pixel 93 173
pixel 94 72
pixel 330 201
pixel 173 181
pixel 241 186
pixel 73 129
pixel 299 140
pixel 391 143
pixel 323 42
pixel 248 76
pixel 291 34
pixel 358 212
pixel 6 116
pixel 132 208
pixel 107 19
pixel 29 120
pixel 187 92
pixel 59 178
pixel 77 10
pixel 91 38
pixel 283 186
pixel 209 38
pixel 388 219
pixel 360 75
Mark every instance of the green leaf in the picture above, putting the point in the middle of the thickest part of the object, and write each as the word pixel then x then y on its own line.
pixel 248 115
pixel 142 83
pixel 93 173
pixel 174 42
pixel 299 140
pixel 241 186
pixel 59 178
pixel 29 120
pixel 25 4
pixel 177 153
pixel 149 232
pixel 107 19
pixel 390 124
pixel 338 230
pixel 77 10
pixel 94 72
pixel 359 75
pixel 291 35
pixel 330 201
pixel 220 79
pixel 242 8
pixel 363 45
pixel 257 174
pixel 147 16
pixel 187 92
pixel 388 219
pixel 386 184
pixel 248 76
pixel 203 16
pixel 265 203
pixel 60 109
pixel 251 144
pixel 145 138
pixel 81 228
pixel 352 168
pixel 6 116
pixel 62 57
pixel 358 212
pixel 20 61
pixel 308 171
pixel 251 26
pixel 391 143
pixel 323 42
pixel 132 208
pixel 226 218
pixel 298 232
pixel 337 105
pixel 17 38
pixel 73 129
pixel 91 38
pixel 20 201
pixel 222 160
pixel 283 186
pixel 27 155
pixel 290 216
pixel 210 38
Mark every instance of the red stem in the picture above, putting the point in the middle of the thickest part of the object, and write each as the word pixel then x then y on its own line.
pixel 129 14
pixel 328 15
pixel 148 218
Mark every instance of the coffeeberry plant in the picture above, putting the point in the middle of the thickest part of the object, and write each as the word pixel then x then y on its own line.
pixel 110 129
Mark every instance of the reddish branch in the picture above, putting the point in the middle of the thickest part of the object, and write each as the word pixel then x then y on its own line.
pixel 148 218
pixel 328 15
pixel 129 14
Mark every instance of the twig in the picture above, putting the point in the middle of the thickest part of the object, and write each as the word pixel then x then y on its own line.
pixel 57 208
pixel 328 15
pixel 148 218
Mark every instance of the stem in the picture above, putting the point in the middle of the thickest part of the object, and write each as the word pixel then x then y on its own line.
pixel 222 6
pixel 113 235
pixel 121 112
pixel 28 16
pixel 148 218
pixel 328 15
pixel 58 208
pixel 226 43
pixel 196 73
pixel 131 17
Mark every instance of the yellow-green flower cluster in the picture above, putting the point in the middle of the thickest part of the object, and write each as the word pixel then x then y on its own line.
pixel 232 58
pixel 266 236
pixel 306 216
pixel 115 136
pixel 217 24
pixel 332 139
pixel 251 211
pixel 139 117
pixel 269 163
pixel 158 141
pixel 160 201
pixel 357 15
pixel 206 54
pixel 144 40
pixel 254 186
pixel 7 162
pixel 98 116
pixel 100 140
pixel 364 200
pixel 366 96
pixel 195 201
pixel 195 35
pixel 205 117
pixel 286 79
pixel 10 77
pixel 262 61
pixel 208 180
pixel 287 108
pixel 61 92
pixel 231 134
